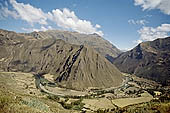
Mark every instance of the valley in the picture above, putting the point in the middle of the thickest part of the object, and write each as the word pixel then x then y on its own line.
pixel 84 56
pixel 25 90
pixel 50 75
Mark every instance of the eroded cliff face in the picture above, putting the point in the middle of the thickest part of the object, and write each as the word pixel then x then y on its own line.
pixel 73 66
pixel 148 59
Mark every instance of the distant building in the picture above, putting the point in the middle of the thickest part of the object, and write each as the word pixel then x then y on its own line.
pixel 157 93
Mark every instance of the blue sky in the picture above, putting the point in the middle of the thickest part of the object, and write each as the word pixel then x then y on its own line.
pixel 125 23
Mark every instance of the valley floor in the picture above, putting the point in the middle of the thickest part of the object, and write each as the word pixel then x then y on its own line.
pixel 24 93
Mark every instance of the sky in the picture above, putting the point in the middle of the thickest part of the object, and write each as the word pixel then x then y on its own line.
pixel 125 23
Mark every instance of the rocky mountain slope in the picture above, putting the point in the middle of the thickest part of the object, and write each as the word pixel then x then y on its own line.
pixel 148 59
pixel 73 66
pixel 103 46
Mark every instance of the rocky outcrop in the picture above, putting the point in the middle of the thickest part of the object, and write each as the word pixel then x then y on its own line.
pixel 73 66
pixel 68 66
pixel 149 59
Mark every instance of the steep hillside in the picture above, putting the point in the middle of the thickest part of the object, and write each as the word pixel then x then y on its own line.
pixel 103 46
pixel 148 59
pixel 73 66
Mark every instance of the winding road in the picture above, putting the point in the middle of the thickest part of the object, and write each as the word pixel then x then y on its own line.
pixel 65 92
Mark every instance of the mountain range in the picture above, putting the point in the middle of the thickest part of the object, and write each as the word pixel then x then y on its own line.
pixel 74 58
pixel 104 47
pixel 148 59
pixel 73 66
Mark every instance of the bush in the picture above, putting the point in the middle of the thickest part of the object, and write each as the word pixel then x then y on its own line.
pixel 78 102
pixel 66 99
pixel 4 101
pixel 76 105
pixel 66 106
pixel 102 111
pixel 164 99
pixel 151 91
pixel 53 97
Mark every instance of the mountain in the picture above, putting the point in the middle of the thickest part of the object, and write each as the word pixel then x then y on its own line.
pixel 73 66
pixel 148 59
pixel 103 46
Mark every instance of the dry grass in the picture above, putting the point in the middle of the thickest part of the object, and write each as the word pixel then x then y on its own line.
pixel 63 91
pixel 15 96
pixel 145 97
pixel 100 103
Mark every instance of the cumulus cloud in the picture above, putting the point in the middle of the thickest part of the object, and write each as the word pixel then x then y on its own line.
pixel 65 18
pixel 150 33
pixel 163 5
pixel 98 26
pixel 137 22
pixel 42 28
pixel 29 13
pixel 5 13
pixel 68 20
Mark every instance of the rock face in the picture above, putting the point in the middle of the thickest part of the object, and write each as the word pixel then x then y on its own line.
pixel 73 66
pixel 103 46
pixel 148 59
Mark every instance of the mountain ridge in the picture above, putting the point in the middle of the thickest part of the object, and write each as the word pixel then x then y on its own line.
pixel 73 66
pixel 101 45
pixel 148 59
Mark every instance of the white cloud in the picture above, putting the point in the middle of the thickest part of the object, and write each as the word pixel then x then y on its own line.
pixel 137 41
pixel 131 21
pixel 126 49
pixel 163 5
pixel 137 22
pixel 98 26
pixel 5 13
pixel 68 20
pixel 42 28
pixel 65 18
pixel 147 16
pixel 29 13
pixel 150 33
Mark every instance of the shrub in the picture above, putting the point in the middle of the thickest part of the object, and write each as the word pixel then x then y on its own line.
pixel 4 101
pixel 53 97
pixel 65 105
pixel 102 110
